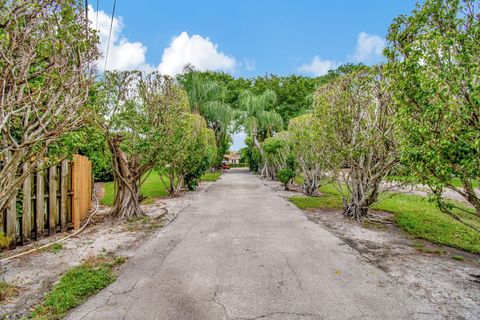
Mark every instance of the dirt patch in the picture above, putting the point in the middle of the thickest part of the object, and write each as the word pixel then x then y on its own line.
pixel 34 274
pixel 429 271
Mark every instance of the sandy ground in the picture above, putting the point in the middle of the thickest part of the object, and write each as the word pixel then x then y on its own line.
pixel 35 274
pixel 452 286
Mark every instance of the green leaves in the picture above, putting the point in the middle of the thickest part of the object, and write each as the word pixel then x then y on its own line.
pixel 433 67
pixel 208 98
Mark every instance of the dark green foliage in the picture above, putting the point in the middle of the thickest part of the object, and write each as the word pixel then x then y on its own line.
pixel 96 149
pixel 250 155
pixel 285 176
pixel 294 93
pixel 192 178
pixel 433 67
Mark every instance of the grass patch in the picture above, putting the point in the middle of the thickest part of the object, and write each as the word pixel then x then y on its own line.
pixel 7 291
pixel 422 219
pixel 151 189
pixel 76 285
pixel 326 201
pixel 4 241
pixel 56 247
pixel 458 258
pixel 298 180
pixel 414 214
pixel 211 176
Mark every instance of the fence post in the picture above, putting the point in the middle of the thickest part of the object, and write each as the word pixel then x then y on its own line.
pixel 27 207
pixel 52 199
pixel 40 203
pixel 75 192
pixel 82 189
pixel 64 195
pixel 12 221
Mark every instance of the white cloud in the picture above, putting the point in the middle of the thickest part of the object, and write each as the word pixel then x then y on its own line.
pixel 369 48
pixel 197 51
pixel 249 64
pixel 123 54
pixel 318 67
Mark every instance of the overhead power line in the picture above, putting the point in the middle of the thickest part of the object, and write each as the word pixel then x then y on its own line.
pixel 110 33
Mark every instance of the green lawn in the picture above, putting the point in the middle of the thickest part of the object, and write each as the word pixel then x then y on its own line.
pixel 152 188
pixel 414 214
pixel 211 176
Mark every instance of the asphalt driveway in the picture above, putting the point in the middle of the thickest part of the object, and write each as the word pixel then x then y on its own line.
pixel 240 251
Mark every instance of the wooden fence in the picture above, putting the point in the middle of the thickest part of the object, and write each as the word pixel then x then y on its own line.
pixel 51 200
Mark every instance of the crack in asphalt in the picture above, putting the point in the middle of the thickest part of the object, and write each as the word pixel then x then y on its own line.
pixel 297 314
pixel 220 304
pixel 295 274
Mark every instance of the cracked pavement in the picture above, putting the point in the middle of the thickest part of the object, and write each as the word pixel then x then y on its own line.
pixel 240 251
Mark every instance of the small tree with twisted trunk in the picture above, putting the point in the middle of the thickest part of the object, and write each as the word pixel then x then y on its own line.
pixel 47 55
pixel 356 116
pixel 309 147
pixel 434 67
pixel 188 153
pixel 137 111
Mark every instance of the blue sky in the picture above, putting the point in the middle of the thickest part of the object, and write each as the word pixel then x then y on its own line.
pixel 245 38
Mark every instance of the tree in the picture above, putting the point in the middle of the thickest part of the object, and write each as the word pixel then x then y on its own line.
pixel 207 98
pixel 202 153
pixel 355 116
pixel 433 68
pixel 187 152
pixel 259 123
pixel 250 155
pixel 276 152
pixel 308 147
pixel 293 93
pixel 137 113
pixel 287 173
pixel 47 68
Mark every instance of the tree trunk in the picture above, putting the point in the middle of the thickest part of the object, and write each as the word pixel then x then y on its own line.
pixel 471 196
pixel 174 188
pixel 310 184
pixel 171 188
pixel 127 204
pixel 364 194
pixel 127 196
pixel 356 211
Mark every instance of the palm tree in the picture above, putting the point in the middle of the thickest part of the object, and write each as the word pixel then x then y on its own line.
pixel 258 122
pixel 207 98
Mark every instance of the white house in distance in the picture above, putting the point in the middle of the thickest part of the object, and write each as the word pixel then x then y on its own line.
pixel 233 157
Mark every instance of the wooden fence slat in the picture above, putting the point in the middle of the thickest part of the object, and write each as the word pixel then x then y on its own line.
pixel 62 184
pixel 64 195
pixel 75 191
pixel 40 205
pixel 27 207
pixel 52 199
pixel 12 220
